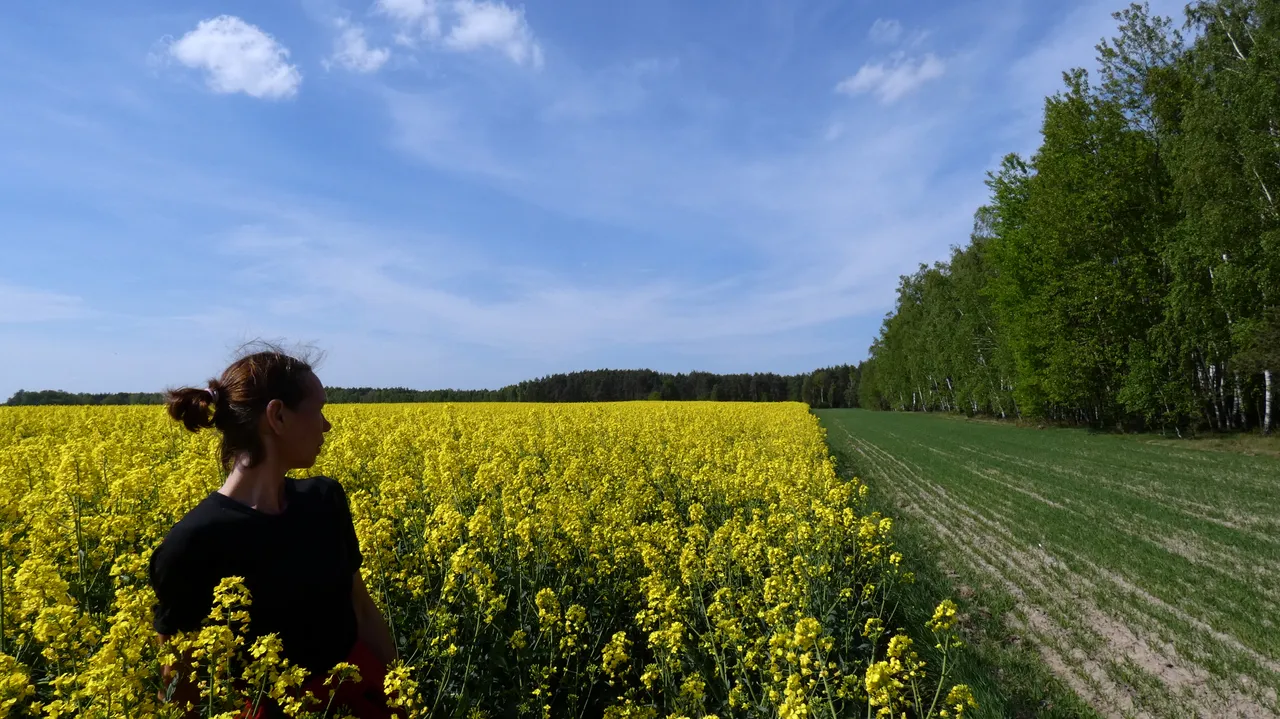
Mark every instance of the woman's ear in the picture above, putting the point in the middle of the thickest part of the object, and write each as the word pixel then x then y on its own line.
pixel 275 415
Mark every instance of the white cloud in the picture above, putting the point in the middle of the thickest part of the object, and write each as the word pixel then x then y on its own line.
pixel 238 57
pixel 464 26
pixel 885 32
pixel 495 25
pixel 893 79
pixel 422 15
pixel 351 50
pixel 387 300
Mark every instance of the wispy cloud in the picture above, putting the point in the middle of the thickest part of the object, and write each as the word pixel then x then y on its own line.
pixel 804 235
pixel 418 18
pixel 465 26
pixel 238 57
pixel 1071 42
pixel 493 25
pixel 885 31
pixel 891 80
pixel 469 223
pixel 382 288
pixel 25 304
pixel 352 51
pixel 614 91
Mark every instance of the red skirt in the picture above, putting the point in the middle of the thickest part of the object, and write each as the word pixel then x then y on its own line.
pixel 363 699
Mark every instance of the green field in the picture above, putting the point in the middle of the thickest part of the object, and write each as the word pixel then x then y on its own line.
pixel 1144 572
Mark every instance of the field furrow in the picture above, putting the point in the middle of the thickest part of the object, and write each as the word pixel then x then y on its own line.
pixel 1147 576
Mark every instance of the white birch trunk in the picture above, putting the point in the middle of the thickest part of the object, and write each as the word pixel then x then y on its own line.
pixel 1266 412
pixel 1215 389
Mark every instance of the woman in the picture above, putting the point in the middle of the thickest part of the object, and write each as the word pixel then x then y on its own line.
pixel 291 539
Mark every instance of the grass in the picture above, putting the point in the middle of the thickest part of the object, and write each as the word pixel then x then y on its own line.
pixel 1140 574
pixel 1250 444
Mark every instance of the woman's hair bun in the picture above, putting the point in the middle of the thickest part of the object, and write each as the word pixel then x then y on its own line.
pixel 191 406
pixel 234 402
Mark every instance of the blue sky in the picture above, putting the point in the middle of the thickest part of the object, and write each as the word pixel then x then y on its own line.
pixel 464 193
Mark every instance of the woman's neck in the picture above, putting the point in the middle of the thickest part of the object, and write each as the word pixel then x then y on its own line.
pixel 260 487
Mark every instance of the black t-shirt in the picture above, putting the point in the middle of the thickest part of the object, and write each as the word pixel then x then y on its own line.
pixel 297 565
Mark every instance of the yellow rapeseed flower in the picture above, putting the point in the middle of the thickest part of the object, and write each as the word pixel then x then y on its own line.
pixel 514 549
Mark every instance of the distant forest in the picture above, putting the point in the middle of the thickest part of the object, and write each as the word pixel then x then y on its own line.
pixel 822 388
pixel 1128 273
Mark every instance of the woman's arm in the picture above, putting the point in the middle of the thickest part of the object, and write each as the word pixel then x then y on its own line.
pixel 371 626
pixel 185 691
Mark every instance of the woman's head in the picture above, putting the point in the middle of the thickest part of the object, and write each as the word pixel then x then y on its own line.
pixel 267 403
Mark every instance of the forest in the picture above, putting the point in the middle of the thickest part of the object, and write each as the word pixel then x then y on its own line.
pixel 829 387
pixel 1126 274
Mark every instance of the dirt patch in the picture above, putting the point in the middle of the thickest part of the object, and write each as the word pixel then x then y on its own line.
pixel 1118 664
pixel 1228 640
pixel 1184 679
pixel 986 543
pixel 1111 642
pixel 1090 683
pixel 1251 446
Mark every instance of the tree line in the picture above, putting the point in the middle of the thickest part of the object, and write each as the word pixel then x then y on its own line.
pixel 822 388
pixel 1127 273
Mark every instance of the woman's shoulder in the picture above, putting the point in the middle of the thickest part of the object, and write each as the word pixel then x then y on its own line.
pixel 200 520
pixel 207 526
pixel 316 484
pixel 191 535
pixel 325 490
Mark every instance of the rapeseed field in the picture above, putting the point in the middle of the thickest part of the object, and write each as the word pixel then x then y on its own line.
pixel 621 560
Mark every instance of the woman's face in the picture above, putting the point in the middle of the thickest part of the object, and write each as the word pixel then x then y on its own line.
pixel 301 432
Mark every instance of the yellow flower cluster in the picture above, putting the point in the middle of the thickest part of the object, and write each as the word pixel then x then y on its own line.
pixel 944 617
pixel 637 559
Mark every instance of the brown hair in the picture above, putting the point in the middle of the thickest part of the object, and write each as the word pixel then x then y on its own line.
pixel 234 402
